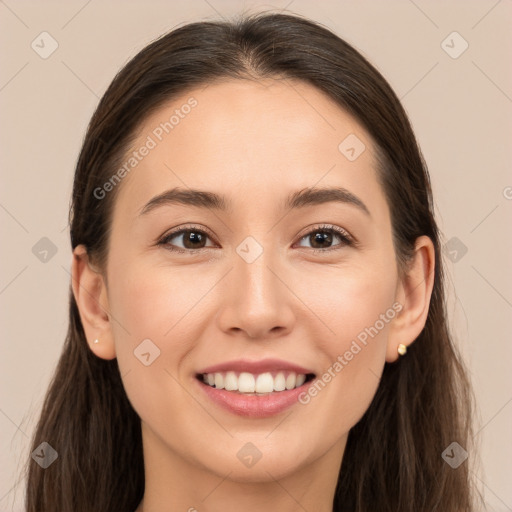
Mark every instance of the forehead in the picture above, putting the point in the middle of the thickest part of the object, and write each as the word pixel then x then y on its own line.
pixel 259 136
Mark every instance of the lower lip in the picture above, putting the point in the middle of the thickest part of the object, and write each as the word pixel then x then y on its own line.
pixel 252 405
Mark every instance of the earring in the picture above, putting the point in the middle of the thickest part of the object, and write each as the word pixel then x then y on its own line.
pixel 96 341
pixel 402 349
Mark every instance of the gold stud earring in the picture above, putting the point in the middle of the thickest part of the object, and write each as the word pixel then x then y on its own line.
pixel 402 349
pixel 96 341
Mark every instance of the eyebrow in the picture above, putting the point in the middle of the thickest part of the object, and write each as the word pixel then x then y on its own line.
pixel 211 200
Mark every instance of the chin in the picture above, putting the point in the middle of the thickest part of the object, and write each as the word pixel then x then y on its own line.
pixel 249 464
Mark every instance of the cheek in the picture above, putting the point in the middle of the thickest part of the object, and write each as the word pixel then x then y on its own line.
pixel 153 302
pixel 359 310
pixel 352 301
pixel 150 308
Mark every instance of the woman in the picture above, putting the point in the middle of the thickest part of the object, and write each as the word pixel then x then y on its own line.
pixel 257 313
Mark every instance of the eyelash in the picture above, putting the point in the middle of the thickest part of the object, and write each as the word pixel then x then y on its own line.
pixel 345 237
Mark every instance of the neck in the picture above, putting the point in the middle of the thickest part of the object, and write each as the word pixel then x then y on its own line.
pixel 175 483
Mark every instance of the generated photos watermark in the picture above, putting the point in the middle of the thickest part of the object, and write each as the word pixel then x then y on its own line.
pixel 152 140
pixel 344 359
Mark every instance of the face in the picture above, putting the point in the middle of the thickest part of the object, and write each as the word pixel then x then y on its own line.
pixel 260 281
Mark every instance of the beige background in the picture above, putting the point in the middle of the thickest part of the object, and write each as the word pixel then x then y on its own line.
pixel 460 109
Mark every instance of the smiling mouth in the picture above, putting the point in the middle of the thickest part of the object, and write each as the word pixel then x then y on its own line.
pixel 245 383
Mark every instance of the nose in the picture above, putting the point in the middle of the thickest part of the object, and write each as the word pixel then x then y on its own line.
pixel 256 303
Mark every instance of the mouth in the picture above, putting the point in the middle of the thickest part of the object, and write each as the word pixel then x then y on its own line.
pixel 250 384
pixel 254 395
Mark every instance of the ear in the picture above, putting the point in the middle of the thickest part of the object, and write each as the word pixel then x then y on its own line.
pixel 90 293
pixel 413 293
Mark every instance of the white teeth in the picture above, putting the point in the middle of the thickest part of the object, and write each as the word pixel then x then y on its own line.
pixel 219 381
pixel 231 382
pixel 246 383
pixel 262 383
pixel 290 381
pixel 301 378
pixel 279 382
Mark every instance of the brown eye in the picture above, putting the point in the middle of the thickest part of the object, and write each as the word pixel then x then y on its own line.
pixel 319 239
pixel 323 239
pixel 185 240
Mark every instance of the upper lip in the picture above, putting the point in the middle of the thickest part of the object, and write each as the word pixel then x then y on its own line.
pixel 255 367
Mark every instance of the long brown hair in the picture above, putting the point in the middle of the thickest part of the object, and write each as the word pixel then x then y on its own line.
pixel 393 459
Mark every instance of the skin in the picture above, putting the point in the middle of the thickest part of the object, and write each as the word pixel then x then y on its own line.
pixel 254 142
